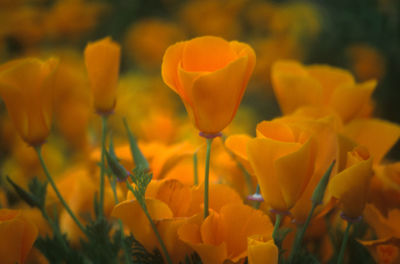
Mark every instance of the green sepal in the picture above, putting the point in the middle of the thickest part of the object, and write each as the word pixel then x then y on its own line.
pixel 319 192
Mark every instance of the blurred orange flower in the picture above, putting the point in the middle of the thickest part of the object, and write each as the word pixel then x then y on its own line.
pixel 17 235
pixel 296 85
pixel 26 87
pixel 210 75
pixel 102 60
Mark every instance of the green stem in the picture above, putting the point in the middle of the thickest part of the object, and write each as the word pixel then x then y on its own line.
pixel 113 184
pixel 102 164
pixel 278 221
pixel 300 234
pixel 153 226
pixel 128 259
pixel 195 170
pixel 52 183
pixel 206 176
pixel 344 243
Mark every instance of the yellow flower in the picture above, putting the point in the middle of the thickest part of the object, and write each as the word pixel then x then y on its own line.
pixel 210 75
pixel 350 186
pixel 26 87
pixel 17 235
pixel 296 85
pixel 102 60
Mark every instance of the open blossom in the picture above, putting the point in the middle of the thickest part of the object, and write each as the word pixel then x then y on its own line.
pixel 102 60
pixel 26 87
pixel 210 75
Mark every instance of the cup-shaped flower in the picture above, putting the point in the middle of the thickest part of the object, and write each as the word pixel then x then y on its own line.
pixel 350 186
pixel 26 87
pixel 17 235
pixel 282 158
pixel 210 75
pixel 102 60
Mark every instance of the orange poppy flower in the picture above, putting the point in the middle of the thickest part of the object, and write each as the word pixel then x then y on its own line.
pixel 279 153
pixel 102 63
pixel 296 85
pixel 26 88
pixel 350 186
pixel 210 75
pixel 262 250
pixel 17 235
pixel 223 235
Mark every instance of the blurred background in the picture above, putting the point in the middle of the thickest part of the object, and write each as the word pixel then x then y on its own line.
pixel 362 36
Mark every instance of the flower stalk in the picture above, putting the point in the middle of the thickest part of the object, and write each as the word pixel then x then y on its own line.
pixel 102 164
pixel 206 176
pixel 52 183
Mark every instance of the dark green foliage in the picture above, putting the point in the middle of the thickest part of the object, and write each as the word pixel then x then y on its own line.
pixel 55 251
pixel 193 259
pixel 140 255
pixel 37 192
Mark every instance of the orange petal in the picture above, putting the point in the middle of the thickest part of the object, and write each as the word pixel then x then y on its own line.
pixel 275 130
pixel 350 187
pixel 347 100
pixel 294 171
pixel 169 67
pixel 215 96
pixel 262 153
pixel 102 60
pixel 375 134
pixel 293 87
pixel 133 217
pixel 330 78
pixel 241 221
pixel 207 54
pixel 261 251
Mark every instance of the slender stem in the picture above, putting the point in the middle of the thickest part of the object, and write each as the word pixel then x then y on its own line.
pixel 278 221
pixel 127 256
pixel 300 234
pixel 52 183
pixel 102 164
pixel 206 176
pixel 195 171
pixel 153 226
pixel 344 243
pixel 113 184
